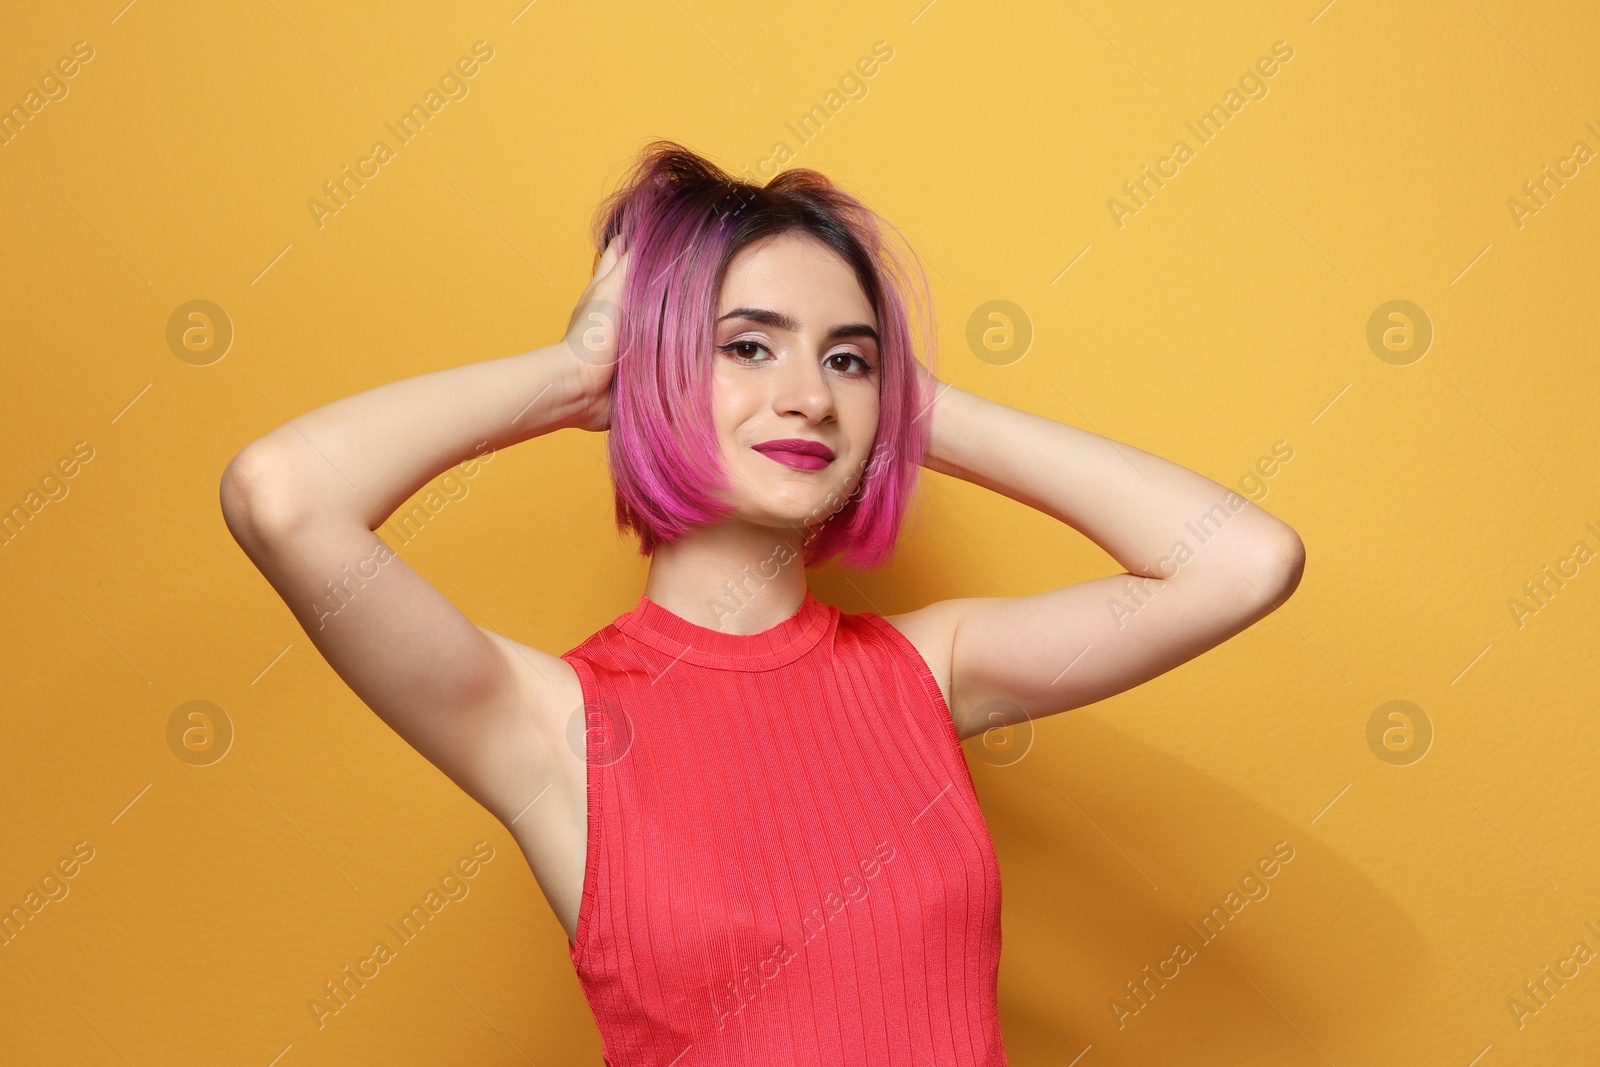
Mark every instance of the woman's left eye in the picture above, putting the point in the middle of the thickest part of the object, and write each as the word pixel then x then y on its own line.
pixel 864 366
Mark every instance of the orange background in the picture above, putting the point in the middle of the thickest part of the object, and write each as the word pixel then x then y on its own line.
pixel 1226 317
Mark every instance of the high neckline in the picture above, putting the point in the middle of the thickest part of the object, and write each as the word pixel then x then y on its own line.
pixel 678 637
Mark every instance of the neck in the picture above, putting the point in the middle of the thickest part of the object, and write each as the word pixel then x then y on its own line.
pixel 734 577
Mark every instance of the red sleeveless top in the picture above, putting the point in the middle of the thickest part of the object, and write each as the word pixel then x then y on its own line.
pixel 786 859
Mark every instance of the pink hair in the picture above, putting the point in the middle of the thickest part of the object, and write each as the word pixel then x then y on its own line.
pixel 683 219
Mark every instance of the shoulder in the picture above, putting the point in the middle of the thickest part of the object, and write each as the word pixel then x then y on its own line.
pixel 549 686
pixel 931 632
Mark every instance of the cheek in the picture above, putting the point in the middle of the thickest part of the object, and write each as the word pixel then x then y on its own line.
pixel 724 405
pixel 735 397
pixel 864 420
pixel 860 421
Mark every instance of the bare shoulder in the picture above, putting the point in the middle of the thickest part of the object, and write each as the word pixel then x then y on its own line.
pixel 931 631
pixel 548 690
pixel 532 749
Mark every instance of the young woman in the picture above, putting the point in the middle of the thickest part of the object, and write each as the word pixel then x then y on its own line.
pixel 750 811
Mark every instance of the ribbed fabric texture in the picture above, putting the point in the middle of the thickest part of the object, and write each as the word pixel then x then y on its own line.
pixel 787 863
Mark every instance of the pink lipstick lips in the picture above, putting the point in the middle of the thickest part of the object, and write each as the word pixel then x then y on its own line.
pixel 797 452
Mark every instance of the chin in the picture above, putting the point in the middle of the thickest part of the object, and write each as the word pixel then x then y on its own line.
pixel 772 495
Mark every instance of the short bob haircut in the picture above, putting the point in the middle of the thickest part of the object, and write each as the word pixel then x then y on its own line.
pixel 683 219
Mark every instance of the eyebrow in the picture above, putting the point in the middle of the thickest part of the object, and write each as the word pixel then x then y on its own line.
pixel 779 321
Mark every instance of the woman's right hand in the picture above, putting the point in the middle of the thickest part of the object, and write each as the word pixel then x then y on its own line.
pixel 592 336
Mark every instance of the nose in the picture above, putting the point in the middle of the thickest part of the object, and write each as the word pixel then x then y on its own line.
pixel 801 387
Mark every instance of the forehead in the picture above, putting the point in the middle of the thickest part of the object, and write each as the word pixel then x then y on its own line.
pixel 795 273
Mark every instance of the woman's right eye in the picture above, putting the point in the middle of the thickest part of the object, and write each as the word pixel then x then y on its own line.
pixel 735 349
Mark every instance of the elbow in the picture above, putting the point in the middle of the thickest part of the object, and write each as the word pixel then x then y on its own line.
pixel 1281 564
pixel 257 499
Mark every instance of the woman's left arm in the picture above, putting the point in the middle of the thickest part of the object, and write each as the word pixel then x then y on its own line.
pixel 1202 563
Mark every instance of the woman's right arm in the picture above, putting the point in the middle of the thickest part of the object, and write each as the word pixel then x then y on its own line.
pixel 303 502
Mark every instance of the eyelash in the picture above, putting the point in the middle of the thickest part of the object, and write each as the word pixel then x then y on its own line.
pixel 731 345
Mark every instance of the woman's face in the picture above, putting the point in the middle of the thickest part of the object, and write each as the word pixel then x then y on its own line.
pixel 797 359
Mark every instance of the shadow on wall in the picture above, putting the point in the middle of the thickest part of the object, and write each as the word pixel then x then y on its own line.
pixel 1140 915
